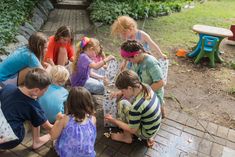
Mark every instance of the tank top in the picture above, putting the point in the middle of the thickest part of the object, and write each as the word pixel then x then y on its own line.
pixel 77 140
pixel 138 37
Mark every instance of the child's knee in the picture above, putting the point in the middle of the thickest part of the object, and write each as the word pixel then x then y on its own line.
pixel 62 50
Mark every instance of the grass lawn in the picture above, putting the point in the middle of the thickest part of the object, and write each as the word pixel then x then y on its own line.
pixel 175 31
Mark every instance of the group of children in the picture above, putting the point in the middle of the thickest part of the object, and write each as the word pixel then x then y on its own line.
pixel 40 95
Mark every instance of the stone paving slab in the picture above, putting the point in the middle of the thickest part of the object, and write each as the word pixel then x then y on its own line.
pixel 173 140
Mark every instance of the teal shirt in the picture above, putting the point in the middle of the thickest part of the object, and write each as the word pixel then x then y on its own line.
pixel 17 61
pixel 149 72
pixel 52 102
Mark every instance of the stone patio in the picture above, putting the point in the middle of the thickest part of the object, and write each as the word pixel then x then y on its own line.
pixel 181 135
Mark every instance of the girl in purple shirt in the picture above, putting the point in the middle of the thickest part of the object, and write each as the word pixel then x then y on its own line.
pixel 76 131
pixel 87 49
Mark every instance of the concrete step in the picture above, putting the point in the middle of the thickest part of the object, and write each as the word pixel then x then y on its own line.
pixel 71 4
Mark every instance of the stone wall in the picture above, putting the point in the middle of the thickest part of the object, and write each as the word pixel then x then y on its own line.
pixel 39 17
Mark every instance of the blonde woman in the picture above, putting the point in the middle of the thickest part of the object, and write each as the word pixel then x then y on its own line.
pixel 126 28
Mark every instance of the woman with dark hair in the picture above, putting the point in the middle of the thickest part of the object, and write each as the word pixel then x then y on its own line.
pixel 146 66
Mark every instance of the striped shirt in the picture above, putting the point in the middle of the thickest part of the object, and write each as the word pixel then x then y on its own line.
pixel 145 114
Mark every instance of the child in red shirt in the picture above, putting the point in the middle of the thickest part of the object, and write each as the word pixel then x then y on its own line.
pixel 60 49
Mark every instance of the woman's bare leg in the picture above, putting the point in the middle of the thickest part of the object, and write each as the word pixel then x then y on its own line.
pixel 122 137
pixel 37 140
pixel 62 56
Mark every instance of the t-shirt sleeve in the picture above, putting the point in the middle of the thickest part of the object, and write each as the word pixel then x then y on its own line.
pixel 85 61
pixel 134 118
pixel 155 71
pixel 34 62
pixel 37 115
pixel 70 51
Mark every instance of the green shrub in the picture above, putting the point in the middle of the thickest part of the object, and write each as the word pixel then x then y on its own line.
pixel 106 11
pixel 13 13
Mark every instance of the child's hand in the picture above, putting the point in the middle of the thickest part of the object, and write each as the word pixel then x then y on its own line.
pixel 123 65
pixel 164 56
pixel 116 94
pixel 59 116
pixel 110 57
pixel 106 81
pixel 47 66
pixel 109 118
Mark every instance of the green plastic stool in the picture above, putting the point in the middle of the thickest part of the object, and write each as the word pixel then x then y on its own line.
pixel 208 49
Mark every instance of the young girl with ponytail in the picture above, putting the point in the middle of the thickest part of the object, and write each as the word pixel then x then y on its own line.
pixel 88 48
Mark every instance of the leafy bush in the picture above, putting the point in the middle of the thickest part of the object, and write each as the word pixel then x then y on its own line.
pixel 106 11
pixel 13 13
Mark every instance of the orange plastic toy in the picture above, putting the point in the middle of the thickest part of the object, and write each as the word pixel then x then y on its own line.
pixel 181 53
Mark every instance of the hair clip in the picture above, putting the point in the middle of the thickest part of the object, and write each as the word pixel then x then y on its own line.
pixel 84 42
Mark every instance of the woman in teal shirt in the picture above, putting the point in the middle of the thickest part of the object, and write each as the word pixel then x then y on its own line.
pixel 15 66
pixel 145 65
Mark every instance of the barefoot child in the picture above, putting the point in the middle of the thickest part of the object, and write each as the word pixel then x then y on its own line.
pixel 52 102
pixel 142 109
pixel 60 49
pixel 20 104
pixel 76 131
pixel 87 49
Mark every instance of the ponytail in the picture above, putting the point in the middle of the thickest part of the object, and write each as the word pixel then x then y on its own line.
pixel 147 94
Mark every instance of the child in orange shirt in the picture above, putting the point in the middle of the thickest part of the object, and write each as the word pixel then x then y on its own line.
pixel 60 49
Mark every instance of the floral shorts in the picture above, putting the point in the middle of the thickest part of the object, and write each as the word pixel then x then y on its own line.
pixel 123 108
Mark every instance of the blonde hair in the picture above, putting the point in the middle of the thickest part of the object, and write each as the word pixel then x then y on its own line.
pixel 101 52
pixel 92 42
pixel 121 24
pixel 59 74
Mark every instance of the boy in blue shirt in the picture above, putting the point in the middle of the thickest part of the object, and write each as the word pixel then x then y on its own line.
pixel 52 102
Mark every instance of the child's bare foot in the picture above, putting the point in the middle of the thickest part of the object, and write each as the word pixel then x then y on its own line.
pixel 150 143
pixel 37 143
pixel 121 137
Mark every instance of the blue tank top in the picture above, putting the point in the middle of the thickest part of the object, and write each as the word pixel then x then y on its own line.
pixel 138 37
pixel 77 140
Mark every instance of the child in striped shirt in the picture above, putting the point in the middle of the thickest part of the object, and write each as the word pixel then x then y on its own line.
pixel 140 105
